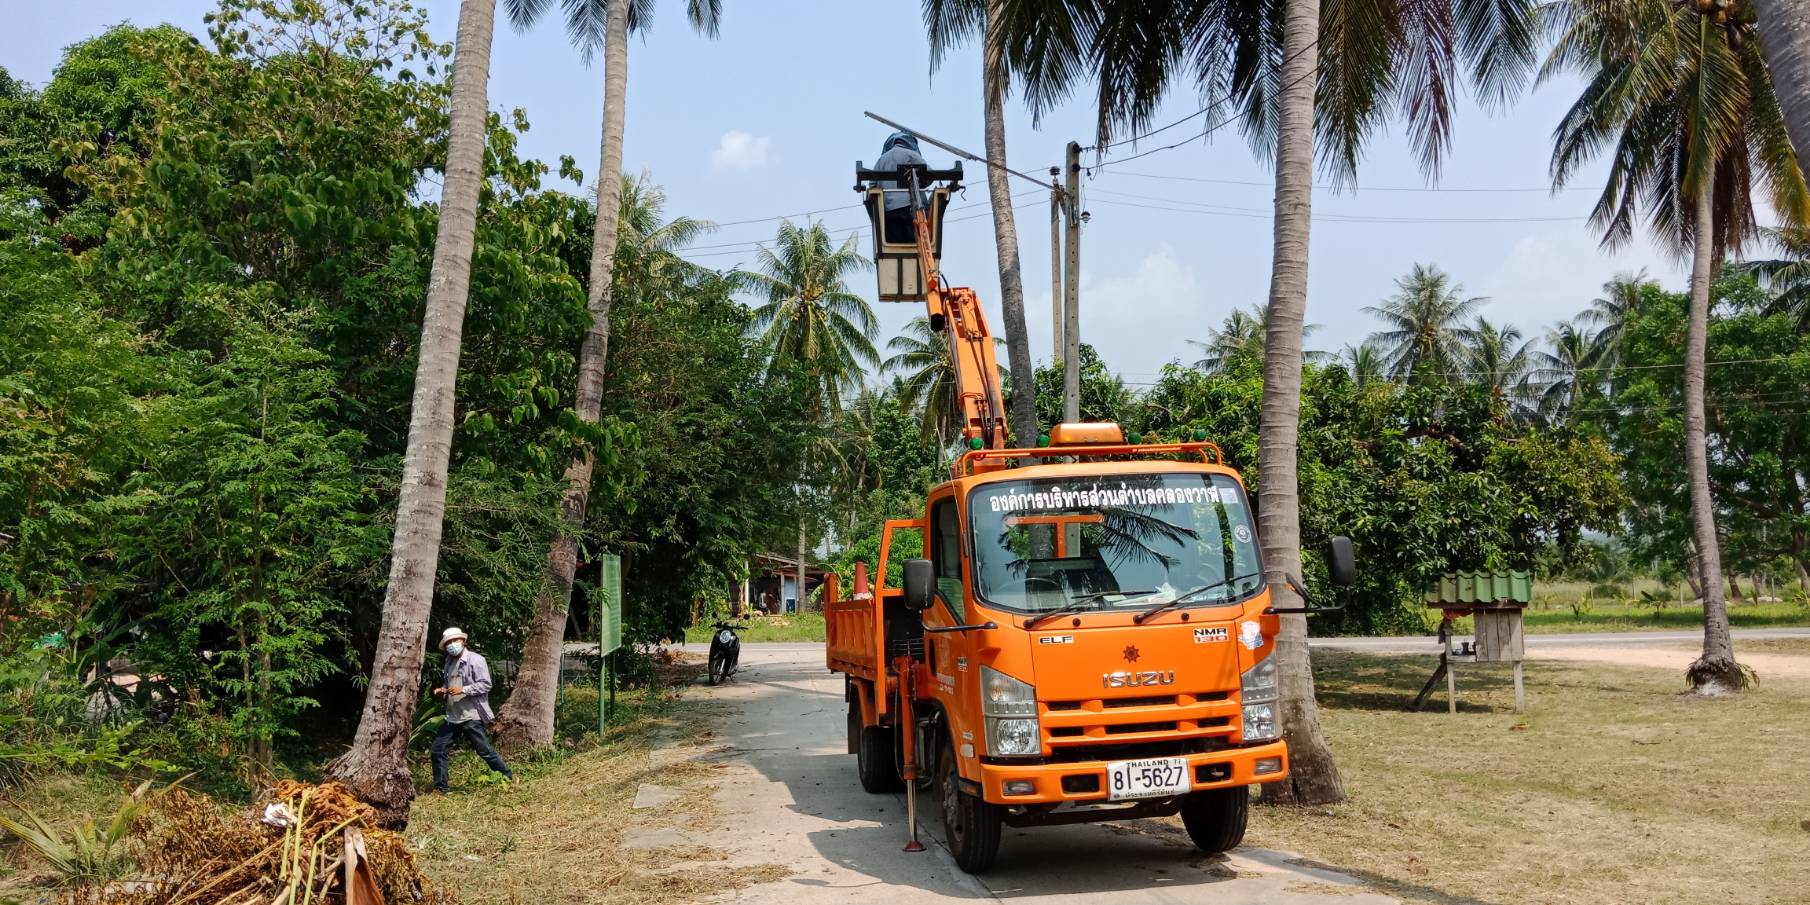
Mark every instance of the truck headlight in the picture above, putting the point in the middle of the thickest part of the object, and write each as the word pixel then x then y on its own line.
pixel 1009 737
pixel 1257 690
pixel 1010 708
pixel 1259 682
pixel 1260 723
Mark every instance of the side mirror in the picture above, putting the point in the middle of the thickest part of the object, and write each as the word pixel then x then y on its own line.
pixel 920 584
pixel 1341 562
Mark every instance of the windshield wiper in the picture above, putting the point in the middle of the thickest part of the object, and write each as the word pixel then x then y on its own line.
pixel 1183 598
pixel 1080 603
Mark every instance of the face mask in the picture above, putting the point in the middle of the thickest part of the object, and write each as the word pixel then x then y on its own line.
pixel 454 649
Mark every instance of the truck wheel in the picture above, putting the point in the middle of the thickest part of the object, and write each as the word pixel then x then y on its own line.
pixel 873 756
pixel 970 824
pixel 1215 818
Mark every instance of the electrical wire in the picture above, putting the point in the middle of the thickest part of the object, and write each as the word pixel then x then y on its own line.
pixel 1204 110
pixel 1266 183
pixel 1344 218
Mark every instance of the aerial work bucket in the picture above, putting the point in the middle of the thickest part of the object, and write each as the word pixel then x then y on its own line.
pixel 894 240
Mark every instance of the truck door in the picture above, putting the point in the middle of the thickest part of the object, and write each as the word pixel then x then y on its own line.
pixel 950 653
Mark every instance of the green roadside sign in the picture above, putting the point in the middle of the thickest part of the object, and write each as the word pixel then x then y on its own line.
pixel 609 630
pixel 609 603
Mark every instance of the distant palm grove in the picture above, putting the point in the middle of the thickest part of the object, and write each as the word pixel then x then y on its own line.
pixel 262 434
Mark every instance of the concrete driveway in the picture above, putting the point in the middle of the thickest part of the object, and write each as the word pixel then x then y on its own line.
pixel 788 795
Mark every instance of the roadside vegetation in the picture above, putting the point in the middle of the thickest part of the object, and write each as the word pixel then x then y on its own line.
pixel 790 627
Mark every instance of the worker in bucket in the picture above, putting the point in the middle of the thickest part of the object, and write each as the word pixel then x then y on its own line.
pixel 466 688
pixel 901 149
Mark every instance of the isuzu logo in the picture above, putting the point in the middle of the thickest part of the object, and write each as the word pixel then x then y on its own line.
pixel 1124 679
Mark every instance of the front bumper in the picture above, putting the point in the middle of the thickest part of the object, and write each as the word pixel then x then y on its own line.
pixel 1055 783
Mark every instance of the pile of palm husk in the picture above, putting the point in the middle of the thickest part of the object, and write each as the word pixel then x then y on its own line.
pixel 194 853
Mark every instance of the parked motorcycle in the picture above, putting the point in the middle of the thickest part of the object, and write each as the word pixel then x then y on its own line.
pixel 725 651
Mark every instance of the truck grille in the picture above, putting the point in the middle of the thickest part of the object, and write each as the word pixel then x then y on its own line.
pixel 1148 718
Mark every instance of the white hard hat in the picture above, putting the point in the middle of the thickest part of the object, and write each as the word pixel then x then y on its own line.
pixel 451 634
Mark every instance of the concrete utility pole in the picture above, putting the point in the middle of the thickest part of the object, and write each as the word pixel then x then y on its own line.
pixel 1056 293
pixel 1071 315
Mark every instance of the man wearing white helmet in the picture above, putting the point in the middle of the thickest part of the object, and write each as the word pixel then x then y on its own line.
pixel 466 688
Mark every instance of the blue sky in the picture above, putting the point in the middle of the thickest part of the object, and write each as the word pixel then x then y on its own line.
pixel 767 120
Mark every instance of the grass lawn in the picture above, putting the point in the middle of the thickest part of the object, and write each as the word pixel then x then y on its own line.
pixel 1620 617
pixel 791 627
pixel 1613 789
pixel 1572 606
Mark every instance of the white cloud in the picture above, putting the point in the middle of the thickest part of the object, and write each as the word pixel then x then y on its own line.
pixel 1552 274
pixel 1118 311
pixel 1161 286
pixel 738 150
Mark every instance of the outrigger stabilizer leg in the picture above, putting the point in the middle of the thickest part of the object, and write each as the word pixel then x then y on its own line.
pixel 904 667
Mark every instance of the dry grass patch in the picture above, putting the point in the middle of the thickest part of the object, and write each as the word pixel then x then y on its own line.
pixel 1613 789
pixel 562 835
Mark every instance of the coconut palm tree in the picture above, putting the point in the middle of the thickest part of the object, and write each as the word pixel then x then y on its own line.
pixel 809 314
pixel 949 22
pixel 1364 363
pixel 376 767
pixel 1240 339
pixel 1260 65
pixel 1427 335
pixel 1787 277
pixel 1499 359
pixel 926 377
pixel 1685 99
pixel 1569 374
pixel 1610 313
pixel 1784 29
pixel 526 720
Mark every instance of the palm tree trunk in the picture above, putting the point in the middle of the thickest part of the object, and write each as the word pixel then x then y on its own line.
pixel 376 767
pixel 1784 27
pixel 1313 776
pixel 1716 671
pixel 1005 238
pixel 526 719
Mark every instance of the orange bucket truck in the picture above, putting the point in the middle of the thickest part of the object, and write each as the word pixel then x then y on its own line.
pixel 1088 634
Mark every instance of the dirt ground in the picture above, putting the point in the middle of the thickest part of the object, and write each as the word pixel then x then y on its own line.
pixel 1788 659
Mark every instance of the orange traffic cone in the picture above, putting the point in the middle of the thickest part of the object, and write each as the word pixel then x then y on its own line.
pixel 861 588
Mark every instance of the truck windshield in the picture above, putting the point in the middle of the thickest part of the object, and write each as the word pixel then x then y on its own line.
pixel 1109 542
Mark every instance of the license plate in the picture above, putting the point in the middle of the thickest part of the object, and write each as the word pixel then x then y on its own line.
pixel 1153 778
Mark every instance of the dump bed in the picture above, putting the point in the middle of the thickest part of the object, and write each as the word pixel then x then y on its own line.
pixel 855 635
pixel 855 626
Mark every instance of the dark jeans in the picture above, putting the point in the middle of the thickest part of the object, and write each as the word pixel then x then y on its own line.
pixel 473 732
pixel 900 226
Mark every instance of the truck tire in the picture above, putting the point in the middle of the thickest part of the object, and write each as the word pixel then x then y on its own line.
pixel 970 824
pixel 873 756
pixel 1215 818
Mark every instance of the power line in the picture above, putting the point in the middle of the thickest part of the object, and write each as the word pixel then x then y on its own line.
pixel 859 231
pixel 1346 218
pixel 824 210
pixel 1434 189
pixel 857 228
pixel 1590 373
pixel 1205 108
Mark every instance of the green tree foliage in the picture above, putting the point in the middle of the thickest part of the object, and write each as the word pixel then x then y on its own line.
pixel 1425 334
pixel 213 288
pixel 808 313
pixel 714 473
pixel 1758 431
pixel 1424 478
pixel 1104 395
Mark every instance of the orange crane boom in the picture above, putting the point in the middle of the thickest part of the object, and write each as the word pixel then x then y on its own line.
pixel 957 312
